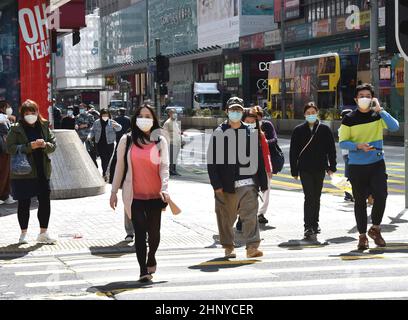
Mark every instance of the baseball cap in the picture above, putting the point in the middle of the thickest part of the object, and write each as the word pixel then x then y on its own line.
pixel 235 102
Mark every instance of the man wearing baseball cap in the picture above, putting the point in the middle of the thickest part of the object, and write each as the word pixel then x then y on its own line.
pixel 237 172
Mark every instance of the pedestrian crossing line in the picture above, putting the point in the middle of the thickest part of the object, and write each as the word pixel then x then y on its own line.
pixel 186 263
pixel 265 273
pixel 401 164
pixel 299 186
pixel 34 264
pixel 260 285
pixel 341 296
pixel 396 190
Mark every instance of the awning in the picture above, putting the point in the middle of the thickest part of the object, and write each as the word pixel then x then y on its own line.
pixel 131 66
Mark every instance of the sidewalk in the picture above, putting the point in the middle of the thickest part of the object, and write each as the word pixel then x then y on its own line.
pixel 90 225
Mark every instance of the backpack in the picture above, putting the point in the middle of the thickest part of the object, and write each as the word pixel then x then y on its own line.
pixel 110 172
pixel 277 158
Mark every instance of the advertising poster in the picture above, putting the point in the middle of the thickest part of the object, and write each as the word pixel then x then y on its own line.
pixel 35 67
pixel 257 7
pixel 218 22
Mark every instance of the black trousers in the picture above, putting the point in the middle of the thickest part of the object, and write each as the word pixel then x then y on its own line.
pixel 369 178
pixel 146 218
pixel 44 211
pixel 105 152
pixel 312 183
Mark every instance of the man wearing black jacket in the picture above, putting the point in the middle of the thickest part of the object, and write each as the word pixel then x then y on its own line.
pixel 312 154
pixel 236 170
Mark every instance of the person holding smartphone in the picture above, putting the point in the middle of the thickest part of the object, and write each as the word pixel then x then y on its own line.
pixel 361 133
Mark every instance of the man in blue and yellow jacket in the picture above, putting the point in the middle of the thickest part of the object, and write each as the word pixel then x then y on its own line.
pixel 361 133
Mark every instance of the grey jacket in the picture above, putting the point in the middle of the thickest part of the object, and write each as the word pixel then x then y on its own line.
pixel 111 128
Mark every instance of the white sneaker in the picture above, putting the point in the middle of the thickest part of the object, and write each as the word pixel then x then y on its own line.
pixel 22 239
pixel 10 200
pixel 1 201
pixel 45 238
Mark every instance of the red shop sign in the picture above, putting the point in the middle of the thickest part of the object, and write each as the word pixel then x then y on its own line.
pixel 35 66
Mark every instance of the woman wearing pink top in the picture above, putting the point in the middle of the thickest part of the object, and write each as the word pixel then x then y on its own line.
pixel 144 190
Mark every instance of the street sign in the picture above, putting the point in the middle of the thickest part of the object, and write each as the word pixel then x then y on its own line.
pixel 401 27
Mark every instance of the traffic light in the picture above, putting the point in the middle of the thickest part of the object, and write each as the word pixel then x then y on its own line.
pixel 401 27
pixel 76 37
pixel 163 89
pixel 162 69
pixel 390 42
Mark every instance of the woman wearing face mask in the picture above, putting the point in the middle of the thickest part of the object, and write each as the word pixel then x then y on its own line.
pixel 34 138
pixel 250 118
pixel 6 114
pixel 104 131
pixel 145 176
pixel 312 154
pixel 68 122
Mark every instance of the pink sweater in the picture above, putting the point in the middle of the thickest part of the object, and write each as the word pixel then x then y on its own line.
pixel 127 189
pixel 146 172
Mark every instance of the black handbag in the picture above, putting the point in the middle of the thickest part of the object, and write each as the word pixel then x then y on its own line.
pixel 277 158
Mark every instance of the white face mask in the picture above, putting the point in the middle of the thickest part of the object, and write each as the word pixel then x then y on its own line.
pixel 105 118
pixel 31 118
pixel 251 125
pixel 144 124
pixel 364 103
pixel 9 111
pixel 174 116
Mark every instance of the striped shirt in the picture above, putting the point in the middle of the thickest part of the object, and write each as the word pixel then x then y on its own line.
pixel 358 127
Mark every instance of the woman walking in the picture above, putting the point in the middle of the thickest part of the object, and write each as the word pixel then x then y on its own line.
pixel 250 118
pixel 312 154
pixel 32 136
pixel 143 169
pixel 104 131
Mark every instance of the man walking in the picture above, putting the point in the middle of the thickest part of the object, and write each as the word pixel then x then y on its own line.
pixel 361 133
pixel 236 170
pixel 173 133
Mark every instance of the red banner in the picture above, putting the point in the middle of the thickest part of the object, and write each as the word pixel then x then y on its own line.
pixel 35 64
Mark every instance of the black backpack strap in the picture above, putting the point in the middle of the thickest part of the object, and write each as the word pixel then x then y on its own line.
pixel 128 142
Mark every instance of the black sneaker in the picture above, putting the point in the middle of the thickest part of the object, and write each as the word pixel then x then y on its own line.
pixel 310 235
pixel 238 226
pixel 262 219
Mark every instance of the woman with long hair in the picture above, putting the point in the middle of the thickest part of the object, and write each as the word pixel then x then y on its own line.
pixel 142 168
pixel 32 136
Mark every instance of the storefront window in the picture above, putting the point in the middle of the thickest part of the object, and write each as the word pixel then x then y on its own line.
pixel 9 55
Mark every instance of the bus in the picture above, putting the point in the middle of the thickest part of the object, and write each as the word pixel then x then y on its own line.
pixel 327 79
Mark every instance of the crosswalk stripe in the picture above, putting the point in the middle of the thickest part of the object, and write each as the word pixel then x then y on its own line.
pixel 34 264
pixel 341 296
pixel 182 263
pixel 263 285
pixel 269 273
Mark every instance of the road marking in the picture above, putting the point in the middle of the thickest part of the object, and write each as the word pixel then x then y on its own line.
pixel 263 285
pixel 272 272
pixel 342 296
pixel 35 264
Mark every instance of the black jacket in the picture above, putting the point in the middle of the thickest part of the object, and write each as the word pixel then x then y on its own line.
pixel 224 175
pixel 319 156
pixel 124 121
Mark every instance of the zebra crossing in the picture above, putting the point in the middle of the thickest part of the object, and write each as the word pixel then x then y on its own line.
pixel 395 171
pixel 316 271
